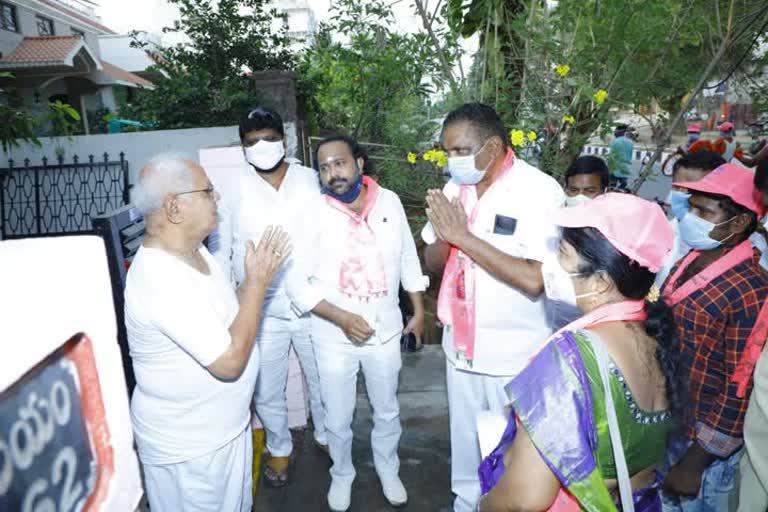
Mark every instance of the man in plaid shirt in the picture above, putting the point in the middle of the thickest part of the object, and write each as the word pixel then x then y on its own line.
pixel 716 293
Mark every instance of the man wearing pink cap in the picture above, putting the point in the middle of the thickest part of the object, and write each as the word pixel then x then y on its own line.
pixel 726 144
pixel 694 144
pixel 690 167
pixel 717 293
pixel 753 491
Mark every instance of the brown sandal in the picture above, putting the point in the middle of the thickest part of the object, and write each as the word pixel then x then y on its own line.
pixel 276 471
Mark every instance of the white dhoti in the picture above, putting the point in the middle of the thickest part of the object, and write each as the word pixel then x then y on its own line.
pixel 469 394
pixel 219 481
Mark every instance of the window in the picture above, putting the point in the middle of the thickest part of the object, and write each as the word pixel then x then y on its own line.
pixel 80 33
pixel 8 17
pixel 44 26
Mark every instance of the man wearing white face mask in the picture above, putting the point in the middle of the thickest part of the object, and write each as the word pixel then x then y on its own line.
pixel 718 294
pixel 586 178
pixel 274 190
pixel 490 228
pixel 690 167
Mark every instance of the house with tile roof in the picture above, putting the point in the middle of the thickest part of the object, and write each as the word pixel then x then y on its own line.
pixel 52 49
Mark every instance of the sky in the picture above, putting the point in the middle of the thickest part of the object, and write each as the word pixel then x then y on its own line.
pixel 123 16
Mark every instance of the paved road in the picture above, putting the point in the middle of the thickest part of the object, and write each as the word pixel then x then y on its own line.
pixel 424 450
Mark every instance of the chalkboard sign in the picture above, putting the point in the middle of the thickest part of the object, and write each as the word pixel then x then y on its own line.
pixel 49 456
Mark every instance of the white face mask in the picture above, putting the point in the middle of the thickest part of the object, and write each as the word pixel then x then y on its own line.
pixel 561 294
pixel 463 170
pixel 576 200
pixel 264 155
pixel 694 231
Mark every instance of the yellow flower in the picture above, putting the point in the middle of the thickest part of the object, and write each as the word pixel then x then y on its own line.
pixel 600 96
pixel 411 157
pixel 429 156
pixel 442 159
pixel 531 136
pixel 653 294
pixel 517 137
pixel 569 119
pixel 562 69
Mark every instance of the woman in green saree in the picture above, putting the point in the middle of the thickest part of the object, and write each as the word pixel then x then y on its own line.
pixel 559 451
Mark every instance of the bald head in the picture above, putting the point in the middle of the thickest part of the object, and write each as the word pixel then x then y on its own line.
pixel 165 174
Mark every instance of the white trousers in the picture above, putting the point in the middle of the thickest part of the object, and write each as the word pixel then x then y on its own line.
pixel 338 364
pixel 469 394
pixel 274 339
pixel 219 481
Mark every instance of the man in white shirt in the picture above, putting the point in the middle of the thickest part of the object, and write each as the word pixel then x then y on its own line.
pixel 690 167
pixel 363 250
pixel 191 341
pixel 274 190
pixel 753 491
pixel 489 231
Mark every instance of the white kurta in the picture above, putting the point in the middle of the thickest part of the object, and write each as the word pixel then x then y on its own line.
pixel 178 324
pixel 338 358
pixel 244 215
pixel 510 326
pixel 753 494
pixel 679 249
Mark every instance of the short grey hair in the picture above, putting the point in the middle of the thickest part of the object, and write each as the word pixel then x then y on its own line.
pixel 164 174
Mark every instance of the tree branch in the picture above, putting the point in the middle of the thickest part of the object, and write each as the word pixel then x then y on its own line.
pixel 446 67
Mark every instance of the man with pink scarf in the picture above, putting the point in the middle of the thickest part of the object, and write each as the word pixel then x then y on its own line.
pixel 362 251
pixel 490 230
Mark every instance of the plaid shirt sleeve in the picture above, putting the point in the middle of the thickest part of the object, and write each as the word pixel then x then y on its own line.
pixel 714 324
pixel 720 429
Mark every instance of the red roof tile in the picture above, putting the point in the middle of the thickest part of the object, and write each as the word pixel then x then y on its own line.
pixel 123 75
pixel 47 49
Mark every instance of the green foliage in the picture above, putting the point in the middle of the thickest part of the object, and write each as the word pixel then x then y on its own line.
pixel 64 118
pixel 646 54
pixel 206 81
pixel 15 124
pixel 375 84
pixel 65 121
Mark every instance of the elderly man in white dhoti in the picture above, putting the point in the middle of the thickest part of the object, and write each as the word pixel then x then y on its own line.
pixel 191 339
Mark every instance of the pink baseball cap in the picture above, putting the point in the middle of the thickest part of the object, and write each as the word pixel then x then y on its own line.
pixel 726 126
pixel 694 128
pixel 730 180
pixel 636 227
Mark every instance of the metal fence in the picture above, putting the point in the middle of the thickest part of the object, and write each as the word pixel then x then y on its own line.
pixel 58 198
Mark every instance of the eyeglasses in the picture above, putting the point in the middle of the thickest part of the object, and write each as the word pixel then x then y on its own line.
pixel 210 191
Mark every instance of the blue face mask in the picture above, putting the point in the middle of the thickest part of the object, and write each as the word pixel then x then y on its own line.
pixel 695 231
pixel 693 137
pixel 351 194
pixel 678 203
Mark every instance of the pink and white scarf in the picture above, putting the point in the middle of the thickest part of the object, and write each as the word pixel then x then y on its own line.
pixel 362 274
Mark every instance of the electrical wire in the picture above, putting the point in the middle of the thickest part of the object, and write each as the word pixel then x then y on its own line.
pixel 746 53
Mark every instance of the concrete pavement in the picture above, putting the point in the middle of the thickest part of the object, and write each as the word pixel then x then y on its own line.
pixel 424 449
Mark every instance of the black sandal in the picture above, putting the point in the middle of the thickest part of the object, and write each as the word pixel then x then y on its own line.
pixel 274 477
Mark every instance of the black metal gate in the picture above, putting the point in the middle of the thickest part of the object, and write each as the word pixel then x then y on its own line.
pixel 57 199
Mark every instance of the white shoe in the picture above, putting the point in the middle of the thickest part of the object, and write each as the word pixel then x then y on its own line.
pixel 394 491
pixel 339 495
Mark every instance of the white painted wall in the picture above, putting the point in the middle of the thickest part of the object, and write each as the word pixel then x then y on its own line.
pixel 138 147
pixel 116 49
